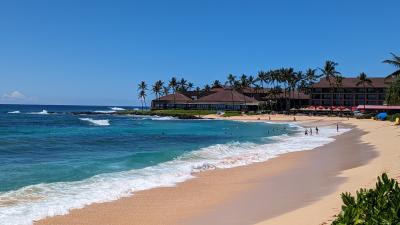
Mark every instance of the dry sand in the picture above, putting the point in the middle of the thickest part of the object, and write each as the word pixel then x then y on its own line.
pixel 295 188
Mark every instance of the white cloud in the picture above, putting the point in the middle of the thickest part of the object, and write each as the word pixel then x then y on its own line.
pixel 14 95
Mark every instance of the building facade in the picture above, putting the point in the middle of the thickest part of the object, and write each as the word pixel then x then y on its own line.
pixel 348 93
pixel 216 99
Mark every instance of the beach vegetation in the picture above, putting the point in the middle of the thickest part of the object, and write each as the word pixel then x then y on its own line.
pixel 394 61
pixel 173 84
pixel 392 96
pixel 231 80
pixel 364 80
pixel 393 117
pixel 158 88
pixel 331 75
pixel 379 205
pixel 142 88
pixel 178 113
pixel 232 113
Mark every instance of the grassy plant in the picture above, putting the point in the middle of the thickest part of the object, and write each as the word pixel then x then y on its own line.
pixel 232 113
pixel 179 113
pixel 380 205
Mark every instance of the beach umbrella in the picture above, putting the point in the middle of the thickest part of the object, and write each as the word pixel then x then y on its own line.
pixel 382 116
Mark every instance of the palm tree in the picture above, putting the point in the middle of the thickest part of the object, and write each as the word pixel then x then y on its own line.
pixel 363 80
pixel 262 78
pixel 243 84
pixel 330 73
pixel 338 84
pixel 288 76
pixel 216 84
pixel 157 88
pixel 251 82
pixel 395 61
pixel 311 76
pixel 142 87
pixel 393 93
pixel 190 86
pixel 299 76
pixel 207 88
pixel 182 85
pixel 165 90
pixel 173 84
pixel 231 81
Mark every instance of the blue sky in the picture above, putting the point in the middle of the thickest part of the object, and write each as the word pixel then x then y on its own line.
pixel 95 52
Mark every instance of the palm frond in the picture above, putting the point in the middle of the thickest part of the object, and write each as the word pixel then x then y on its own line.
pixel 394 74
pixel 392 62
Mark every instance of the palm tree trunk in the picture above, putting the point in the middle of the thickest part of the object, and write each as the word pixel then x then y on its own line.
pixel 233 102
pixel 174 99
pixel 244 98
pixel 365 96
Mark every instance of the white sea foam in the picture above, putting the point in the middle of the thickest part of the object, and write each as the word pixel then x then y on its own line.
pixel 105 111
pixel 14 112
pixel 35 202
pixel 43 112
pixel 145 117
pixel 117 108
pixel 96 122
pixel 163 118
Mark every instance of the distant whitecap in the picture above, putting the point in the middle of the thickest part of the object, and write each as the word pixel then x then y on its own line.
pixel 96 122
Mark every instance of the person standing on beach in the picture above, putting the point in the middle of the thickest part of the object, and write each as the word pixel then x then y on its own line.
pixel 316 129
pixel 337 127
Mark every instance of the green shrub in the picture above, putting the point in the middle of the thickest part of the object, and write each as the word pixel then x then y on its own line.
pixel 374 206
pixel 232 113
pixel 179 113
pixel 393 117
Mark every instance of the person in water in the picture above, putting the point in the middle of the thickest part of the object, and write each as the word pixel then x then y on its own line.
pixel 316 129
pixel 306 132
pixel 337 127
pixel 310 131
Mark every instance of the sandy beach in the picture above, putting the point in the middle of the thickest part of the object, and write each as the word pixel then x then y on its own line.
pixel 295 188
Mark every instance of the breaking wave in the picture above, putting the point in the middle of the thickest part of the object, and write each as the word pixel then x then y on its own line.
pixel 14 112
pixel 43 112
pixel 96 122
pixel 31 203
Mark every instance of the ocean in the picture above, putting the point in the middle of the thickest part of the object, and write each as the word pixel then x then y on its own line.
pixel 52 160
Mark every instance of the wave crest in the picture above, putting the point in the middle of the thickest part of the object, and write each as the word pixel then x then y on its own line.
pixel 14 112
pixel 62 196
pixel 96 122
pixel 43 112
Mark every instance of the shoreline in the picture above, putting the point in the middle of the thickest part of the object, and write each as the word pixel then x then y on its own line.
pixel 223 191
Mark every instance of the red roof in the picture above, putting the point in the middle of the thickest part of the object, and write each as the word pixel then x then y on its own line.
pixel 226 95
pixel 178 98
pixel 351 82
pixel 380 107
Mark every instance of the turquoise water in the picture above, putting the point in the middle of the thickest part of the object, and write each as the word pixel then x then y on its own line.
pixel 52 160
pixel 61 147
pixel 46 148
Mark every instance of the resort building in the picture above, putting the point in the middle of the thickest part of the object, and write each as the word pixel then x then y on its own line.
pixel 348 93
pixel 217 99
pixel 279 101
